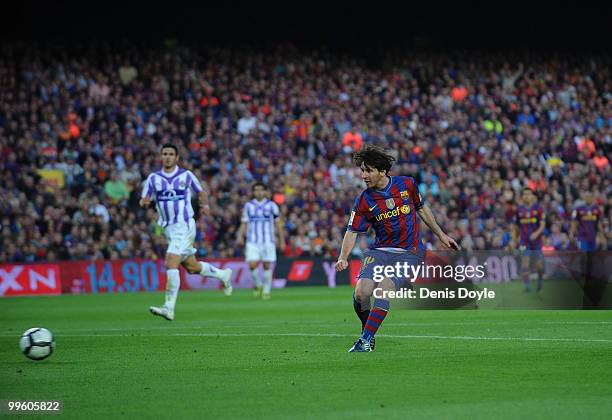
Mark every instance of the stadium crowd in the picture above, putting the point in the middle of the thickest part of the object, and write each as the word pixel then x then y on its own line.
pixel 472 129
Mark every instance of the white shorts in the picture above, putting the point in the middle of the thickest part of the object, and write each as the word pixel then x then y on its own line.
pixel 260 252
pixel 181 238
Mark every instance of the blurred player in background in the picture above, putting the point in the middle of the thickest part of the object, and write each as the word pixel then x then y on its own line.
pixel 171 189
pixel 260 218
pixel 587 219
pixel 389 204
pixel 528 228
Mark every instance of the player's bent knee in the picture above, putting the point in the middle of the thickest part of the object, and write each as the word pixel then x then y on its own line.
pixel 363 290
pixel 172 264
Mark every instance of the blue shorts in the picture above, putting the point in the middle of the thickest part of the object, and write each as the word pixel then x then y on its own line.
pixel 586 246
pixel 532 252
pixel 374 261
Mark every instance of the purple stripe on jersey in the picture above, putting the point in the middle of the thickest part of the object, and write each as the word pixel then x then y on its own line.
pixel 175 185
pixel 255 230
pixel 186 215
pixel 264 231
pixel 187 204
pixel 166 216
pixel 261 224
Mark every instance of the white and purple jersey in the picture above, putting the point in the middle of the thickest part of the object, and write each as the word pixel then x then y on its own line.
pixel 260 215
pixel 172 194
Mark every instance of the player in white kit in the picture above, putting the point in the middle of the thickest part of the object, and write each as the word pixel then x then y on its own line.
pixel 171 190
pixel 260 218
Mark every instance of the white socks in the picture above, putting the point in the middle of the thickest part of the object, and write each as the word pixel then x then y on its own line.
pixel 267 283
pixel 172 287
pixel 173 284
pixel 208 270
pixel 256 276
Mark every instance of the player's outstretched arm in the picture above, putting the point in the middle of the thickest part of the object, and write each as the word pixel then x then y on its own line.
pixel 514 238
pixel 241 231
pixel 280 229
pixel 348 243
pixel 427 216
pixel 204 206
pixel 535 235
pixel 147 193
pixel 572 230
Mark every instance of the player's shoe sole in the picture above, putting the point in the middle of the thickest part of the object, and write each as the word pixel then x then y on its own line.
pixel 163 312
pixel 226 279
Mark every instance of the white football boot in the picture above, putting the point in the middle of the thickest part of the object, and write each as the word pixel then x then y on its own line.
pixel 162 311
pixel 226 278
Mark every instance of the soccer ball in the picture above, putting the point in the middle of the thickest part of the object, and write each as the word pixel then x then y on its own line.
pixel 37 343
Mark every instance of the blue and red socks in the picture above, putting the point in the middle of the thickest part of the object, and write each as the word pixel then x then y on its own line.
pixel 375 318
pixel 361 313
pixel 526 280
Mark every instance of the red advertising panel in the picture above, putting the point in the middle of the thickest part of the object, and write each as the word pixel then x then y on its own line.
pixel 300 270
pixel 354 267
pixel 29 279
pixel 117 276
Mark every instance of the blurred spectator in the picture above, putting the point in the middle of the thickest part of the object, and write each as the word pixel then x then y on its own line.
pixel 351 141
pixel 116 189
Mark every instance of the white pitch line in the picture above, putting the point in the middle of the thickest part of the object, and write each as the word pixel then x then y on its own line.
pixel 445 337
pixel 578 322
pixel 442 337
pixel 332 335
pixel 182 327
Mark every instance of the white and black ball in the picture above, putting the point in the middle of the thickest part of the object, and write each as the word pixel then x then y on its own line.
pixel 37 343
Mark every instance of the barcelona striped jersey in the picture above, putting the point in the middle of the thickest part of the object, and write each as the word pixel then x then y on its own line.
pixel 587 218
pixel 528 220
pixel 392 213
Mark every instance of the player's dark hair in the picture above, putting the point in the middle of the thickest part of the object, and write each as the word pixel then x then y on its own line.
pixel 374 157
pixel 170 146
pixel 259 183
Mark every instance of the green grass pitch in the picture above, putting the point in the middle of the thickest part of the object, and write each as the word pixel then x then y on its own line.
pixel 238 357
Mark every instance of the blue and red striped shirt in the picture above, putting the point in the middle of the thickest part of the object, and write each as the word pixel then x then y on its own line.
pixel 392 214
pixel 528 219
pixel 587 218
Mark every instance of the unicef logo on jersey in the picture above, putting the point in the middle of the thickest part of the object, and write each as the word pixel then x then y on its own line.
pixel 171 195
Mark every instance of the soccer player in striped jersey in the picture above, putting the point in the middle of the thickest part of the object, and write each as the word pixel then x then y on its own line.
pixel 528 228
pixel 587 219
pixel 260 218
pixel 390 205
pixel 171 189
